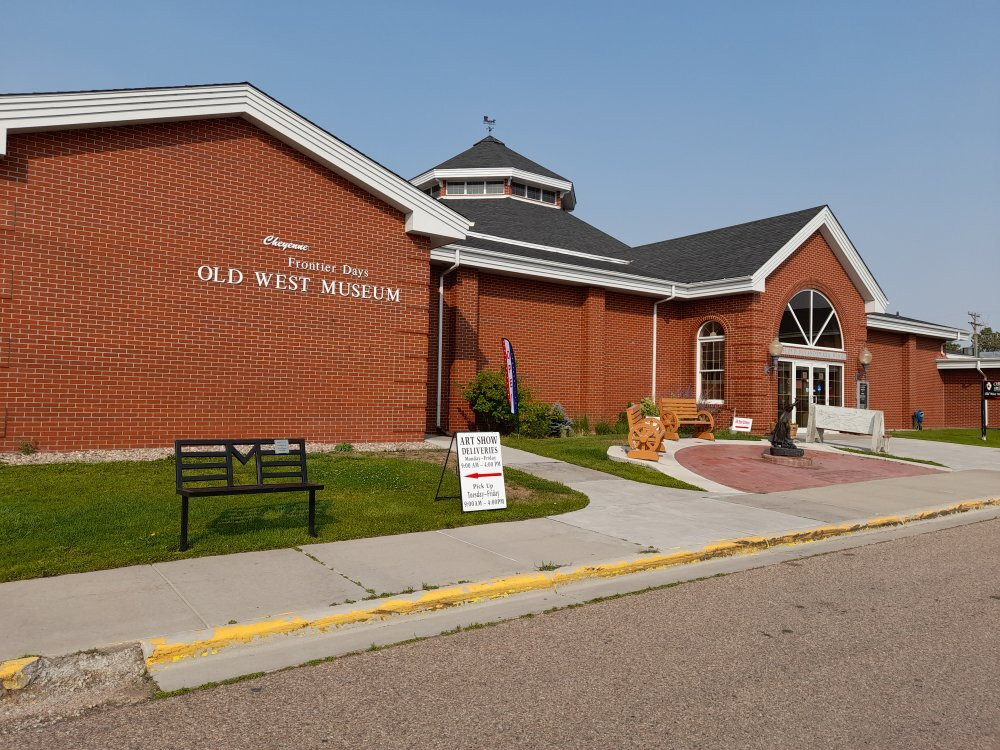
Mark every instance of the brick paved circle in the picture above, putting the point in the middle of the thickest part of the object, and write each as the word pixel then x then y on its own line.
pixel 741 467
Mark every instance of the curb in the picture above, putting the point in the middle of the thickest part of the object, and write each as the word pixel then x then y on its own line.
pixel 12 676
pixel 161 652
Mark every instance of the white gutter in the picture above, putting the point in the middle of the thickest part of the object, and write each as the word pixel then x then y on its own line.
pixel 673 291
pixel 437 414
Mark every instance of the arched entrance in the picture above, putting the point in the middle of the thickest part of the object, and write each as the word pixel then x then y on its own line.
pixel 811 367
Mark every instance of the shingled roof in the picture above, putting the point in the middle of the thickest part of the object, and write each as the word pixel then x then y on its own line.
pixel 727 253
pixel 536 223
pixel 490 152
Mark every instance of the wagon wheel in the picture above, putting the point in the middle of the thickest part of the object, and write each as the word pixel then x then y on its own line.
pixel 670 422
pixel 647 435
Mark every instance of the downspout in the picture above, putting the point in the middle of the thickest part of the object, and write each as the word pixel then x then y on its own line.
pixel 440 352
pixel 673 293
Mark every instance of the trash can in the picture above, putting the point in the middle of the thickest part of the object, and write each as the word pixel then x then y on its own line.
pixel 918 419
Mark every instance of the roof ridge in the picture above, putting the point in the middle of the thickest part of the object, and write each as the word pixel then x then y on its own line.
pixel 813 211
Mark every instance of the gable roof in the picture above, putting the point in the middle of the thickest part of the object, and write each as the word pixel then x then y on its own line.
pixel 82 109
pixel 490 152
pixel 730 252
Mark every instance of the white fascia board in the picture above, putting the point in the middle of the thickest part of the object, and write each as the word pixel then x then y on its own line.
pixel 826 223
pixel 968 364
pixel 549 248
pixel 486 173
pixel 567 273
pixel 34 112
pixel 920 329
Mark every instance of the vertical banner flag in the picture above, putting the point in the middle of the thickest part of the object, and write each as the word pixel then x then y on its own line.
pixel 510 367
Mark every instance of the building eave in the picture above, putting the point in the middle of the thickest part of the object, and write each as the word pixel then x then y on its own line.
pixel 431 176
pixel 25 113
pixel 929 330
pixel 568 273
pixel 972 363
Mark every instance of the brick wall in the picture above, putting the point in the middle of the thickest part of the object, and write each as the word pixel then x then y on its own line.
pixel 113 340
pixel 592 349
pixel 963 395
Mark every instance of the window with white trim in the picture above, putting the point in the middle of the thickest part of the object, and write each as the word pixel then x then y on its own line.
pixel 711 362
pixel 810 320
pixel 536 194
pixel 478 187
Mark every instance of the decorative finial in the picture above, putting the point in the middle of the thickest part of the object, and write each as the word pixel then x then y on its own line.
pixel 490 124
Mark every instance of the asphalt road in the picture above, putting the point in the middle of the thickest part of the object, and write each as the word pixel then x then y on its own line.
pixel 895 645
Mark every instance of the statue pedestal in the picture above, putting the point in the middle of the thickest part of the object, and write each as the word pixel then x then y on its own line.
pixel 788 457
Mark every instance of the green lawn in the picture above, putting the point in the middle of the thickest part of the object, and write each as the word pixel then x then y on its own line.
pixel 867 452
pixel 963 435
pixel 67 518
pixel 592 451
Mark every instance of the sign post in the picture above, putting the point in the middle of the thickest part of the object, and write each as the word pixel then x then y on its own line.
pixel 480 471
pixel 991 390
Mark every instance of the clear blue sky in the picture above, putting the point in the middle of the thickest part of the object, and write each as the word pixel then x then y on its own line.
pixel 670 117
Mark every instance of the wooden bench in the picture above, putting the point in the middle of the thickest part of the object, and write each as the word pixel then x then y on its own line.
pixel 645 435
pixel 208 465
pixel 675 412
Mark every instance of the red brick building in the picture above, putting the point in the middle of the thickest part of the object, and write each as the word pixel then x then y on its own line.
pixel 202 261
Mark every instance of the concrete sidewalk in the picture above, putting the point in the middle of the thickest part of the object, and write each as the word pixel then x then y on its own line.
pixel 72 612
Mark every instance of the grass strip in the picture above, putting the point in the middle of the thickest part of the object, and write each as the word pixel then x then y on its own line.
pixel 591 451
pixel 76 517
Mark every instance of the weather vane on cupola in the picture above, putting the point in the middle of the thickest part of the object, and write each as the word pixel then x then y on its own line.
pixel 490 124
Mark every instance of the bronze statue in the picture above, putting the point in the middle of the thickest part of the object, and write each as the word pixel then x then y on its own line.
pixel 781 438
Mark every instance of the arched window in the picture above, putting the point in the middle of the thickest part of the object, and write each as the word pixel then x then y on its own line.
pixel 711 362
pixel 810 320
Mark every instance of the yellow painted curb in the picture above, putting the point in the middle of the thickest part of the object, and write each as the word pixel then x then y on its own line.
pixel 12 672
pixel 165 652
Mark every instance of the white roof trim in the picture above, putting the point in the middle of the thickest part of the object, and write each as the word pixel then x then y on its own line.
pixel 884 322
pixel 485 173
pixel 22 113
pixel 549 248
pixel 850 259
pixel 954 363
pixel 567 273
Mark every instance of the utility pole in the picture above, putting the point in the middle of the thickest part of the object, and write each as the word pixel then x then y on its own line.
pixel 974 322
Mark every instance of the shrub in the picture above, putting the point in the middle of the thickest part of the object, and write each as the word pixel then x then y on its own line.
pixel 343 447
pixel 487 395
pixel 621 426
pixel 558 421
pixel 28 446
pixel 603 428
pixel 581 425
pixel 648 407
pixel 535 422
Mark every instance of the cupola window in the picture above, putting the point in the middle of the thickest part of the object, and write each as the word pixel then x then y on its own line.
pixel 532 193
pixel 475 188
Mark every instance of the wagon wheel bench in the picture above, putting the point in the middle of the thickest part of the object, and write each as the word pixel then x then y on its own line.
pixel 675 412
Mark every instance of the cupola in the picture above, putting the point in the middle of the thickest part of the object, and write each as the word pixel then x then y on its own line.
pixel 491 170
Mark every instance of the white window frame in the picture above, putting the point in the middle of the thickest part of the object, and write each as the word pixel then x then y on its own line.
pixel 699 338
pixel 812 306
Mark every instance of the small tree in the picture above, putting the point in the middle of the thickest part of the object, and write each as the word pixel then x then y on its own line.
pixel 487 395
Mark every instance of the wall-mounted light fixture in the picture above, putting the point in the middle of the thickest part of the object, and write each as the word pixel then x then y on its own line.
pixel 865 358
pixel 774 349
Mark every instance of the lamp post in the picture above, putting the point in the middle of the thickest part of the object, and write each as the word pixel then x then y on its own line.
pixel 775 349
pixel 865 358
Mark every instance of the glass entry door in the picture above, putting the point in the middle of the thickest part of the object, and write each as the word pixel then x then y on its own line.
pixel 805 382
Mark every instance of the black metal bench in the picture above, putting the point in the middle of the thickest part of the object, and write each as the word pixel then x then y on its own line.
pixel 208 464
